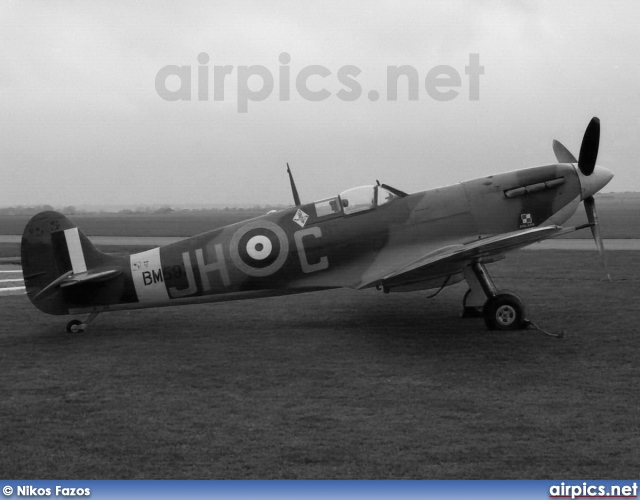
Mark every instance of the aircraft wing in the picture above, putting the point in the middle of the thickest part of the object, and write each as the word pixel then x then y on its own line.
pixel 70 279
pixel 453 259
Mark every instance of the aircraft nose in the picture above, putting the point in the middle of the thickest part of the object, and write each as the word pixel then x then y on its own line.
pixel 593 183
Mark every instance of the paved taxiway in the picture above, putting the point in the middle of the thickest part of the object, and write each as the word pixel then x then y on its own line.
pixel 11 282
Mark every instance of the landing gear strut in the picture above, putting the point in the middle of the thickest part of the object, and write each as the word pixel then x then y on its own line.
pixel 501 309
pixel 76 326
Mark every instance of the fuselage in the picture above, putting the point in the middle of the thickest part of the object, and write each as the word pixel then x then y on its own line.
pixel 342 241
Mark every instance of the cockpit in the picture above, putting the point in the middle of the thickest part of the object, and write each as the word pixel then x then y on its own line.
pixel 364 198
pixel 354 200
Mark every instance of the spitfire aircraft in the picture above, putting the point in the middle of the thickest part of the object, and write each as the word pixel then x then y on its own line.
pixel 368 236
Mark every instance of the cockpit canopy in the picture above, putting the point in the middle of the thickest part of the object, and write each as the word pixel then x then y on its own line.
pixel 354 200
pixel 364 198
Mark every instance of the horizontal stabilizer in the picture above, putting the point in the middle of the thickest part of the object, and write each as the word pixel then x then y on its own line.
pixel 78 279
pixel 51 287
pixel 70 279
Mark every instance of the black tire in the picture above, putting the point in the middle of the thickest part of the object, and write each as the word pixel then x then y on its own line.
pixel 74 323
pixel 505 311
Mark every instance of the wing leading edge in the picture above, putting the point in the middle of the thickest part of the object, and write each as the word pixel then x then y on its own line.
pixel 453 259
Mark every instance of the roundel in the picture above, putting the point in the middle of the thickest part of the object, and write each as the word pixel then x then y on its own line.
pixel 259 248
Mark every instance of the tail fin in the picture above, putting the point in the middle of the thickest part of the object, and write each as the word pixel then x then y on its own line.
pixel 52 249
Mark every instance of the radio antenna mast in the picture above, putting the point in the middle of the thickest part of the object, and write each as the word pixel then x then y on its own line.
pixel 296 198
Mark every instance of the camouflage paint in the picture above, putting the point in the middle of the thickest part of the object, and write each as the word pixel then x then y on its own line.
pixel 297 250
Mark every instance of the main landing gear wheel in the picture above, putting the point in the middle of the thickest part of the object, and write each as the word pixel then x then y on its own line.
pixel 75 326
pixel 504 311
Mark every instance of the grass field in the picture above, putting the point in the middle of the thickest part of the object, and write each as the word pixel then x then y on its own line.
pixel 338 384
pixel 618 215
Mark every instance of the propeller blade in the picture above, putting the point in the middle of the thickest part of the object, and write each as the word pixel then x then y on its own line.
pixel 563 154
pixel 589 148
pixel 592 215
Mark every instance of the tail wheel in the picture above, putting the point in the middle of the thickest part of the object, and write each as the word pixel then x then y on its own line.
pixel 74 326
pixel 504 311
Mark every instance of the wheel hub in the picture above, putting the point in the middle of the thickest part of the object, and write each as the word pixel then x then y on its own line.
pixel 505 315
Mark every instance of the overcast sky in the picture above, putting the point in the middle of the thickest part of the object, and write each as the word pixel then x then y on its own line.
pixel 82 121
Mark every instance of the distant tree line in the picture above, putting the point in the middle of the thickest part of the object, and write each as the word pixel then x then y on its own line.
pixel 163 210
pixel 21 210
pixel 166 209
